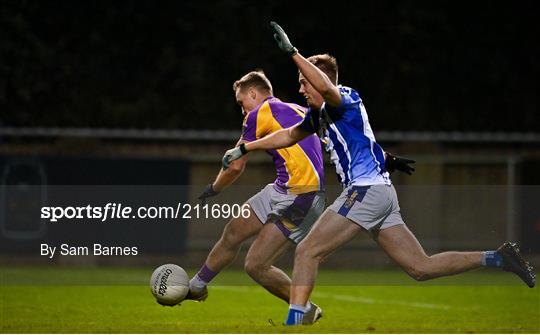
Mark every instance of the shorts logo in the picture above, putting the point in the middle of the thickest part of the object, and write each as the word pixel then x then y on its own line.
pixel 350 200
pixel 296 215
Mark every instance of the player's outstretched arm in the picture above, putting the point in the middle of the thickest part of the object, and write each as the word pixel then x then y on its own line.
pixel 280 139
pixel 224 178
pixel 318 79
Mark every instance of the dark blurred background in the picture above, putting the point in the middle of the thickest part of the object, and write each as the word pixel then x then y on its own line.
pixel 419 66
pixel 121 93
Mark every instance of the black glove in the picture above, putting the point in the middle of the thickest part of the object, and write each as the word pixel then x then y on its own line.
pixel 393 163
pixel 282 39
pixel 207 193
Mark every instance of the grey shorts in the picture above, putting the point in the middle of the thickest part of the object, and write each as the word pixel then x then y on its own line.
pixel 293 214
pixel 371 207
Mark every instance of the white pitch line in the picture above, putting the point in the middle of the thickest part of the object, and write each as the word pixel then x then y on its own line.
pixel 351 298
pixel 379 301
pixel 231 288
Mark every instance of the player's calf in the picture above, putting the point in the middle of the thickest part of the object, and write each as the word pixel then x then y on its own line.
pixel 273 279
pixel 223 253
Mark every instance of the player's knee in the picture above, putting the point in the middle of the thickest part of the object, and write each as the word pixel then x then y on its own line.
pixel 419 273
pixel 419 276
pixel 306 251
pixel 254 268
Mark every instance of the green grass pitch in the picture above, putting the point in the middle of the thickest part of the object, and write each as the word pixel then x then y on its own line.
pixel 118 300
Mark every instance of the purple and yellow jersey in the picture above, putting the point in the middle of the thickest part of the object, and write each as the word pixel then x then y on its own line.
pixel 299 167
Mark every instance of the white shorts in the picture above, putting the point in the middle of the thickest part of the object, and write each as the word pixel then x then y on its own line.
pixel 293 214
pixel 372 207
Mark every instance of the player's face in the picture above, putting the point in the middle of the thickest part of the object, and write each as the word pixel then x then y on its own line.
pixel 313 98
pixel 247 100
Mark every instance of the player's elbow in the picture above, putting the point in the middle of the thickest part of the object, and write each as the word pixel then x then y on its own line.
pixel 256 270
pixel 284 140
pixel 331 94
pixel 295 135
pixel 237 167
pixel 307 251
pixel 289 142
pixel 327 91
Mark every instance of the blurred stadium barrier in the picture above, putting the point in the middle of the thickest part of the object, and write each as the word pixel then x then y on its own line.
pixel 224 135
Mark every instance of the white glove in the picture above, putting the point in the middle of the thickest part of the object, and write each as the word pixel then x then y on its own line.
pixel 232 155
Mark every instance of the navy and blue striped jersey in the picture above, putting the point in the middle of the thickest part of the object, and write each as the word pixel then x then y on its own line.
pixel 348 137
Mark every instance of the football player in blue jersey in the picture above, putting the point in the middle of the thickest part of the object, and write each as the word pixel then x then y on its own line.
pixel 368 201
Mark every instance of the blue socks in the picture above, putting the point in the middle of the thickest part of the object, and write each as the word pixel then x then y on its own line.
pixel 492 259
pixel 296 315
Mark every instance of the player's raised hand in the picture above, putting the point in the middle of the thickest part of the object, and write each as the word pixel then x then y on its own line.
pixel 282 39
pixel 393 163
pixel 232 155
pixel 207 193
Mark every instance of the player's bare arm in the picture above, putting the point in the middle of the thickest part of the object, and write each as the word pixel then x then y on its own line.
pixel 318 79
pixel 280 139
pixel 225 177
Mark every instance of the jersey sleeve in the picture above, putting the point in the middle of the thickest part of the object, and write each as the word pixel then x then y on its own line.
pixel 249 129
pixel 310 123
pixel 258 124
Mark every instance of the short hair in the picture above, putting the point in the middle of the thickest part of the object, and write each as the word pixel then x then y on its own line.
pixel 326 64
pixel 255 79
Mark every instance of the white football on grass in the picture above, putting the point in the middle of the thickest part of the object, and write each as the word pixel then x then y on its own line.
pixel 169 284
